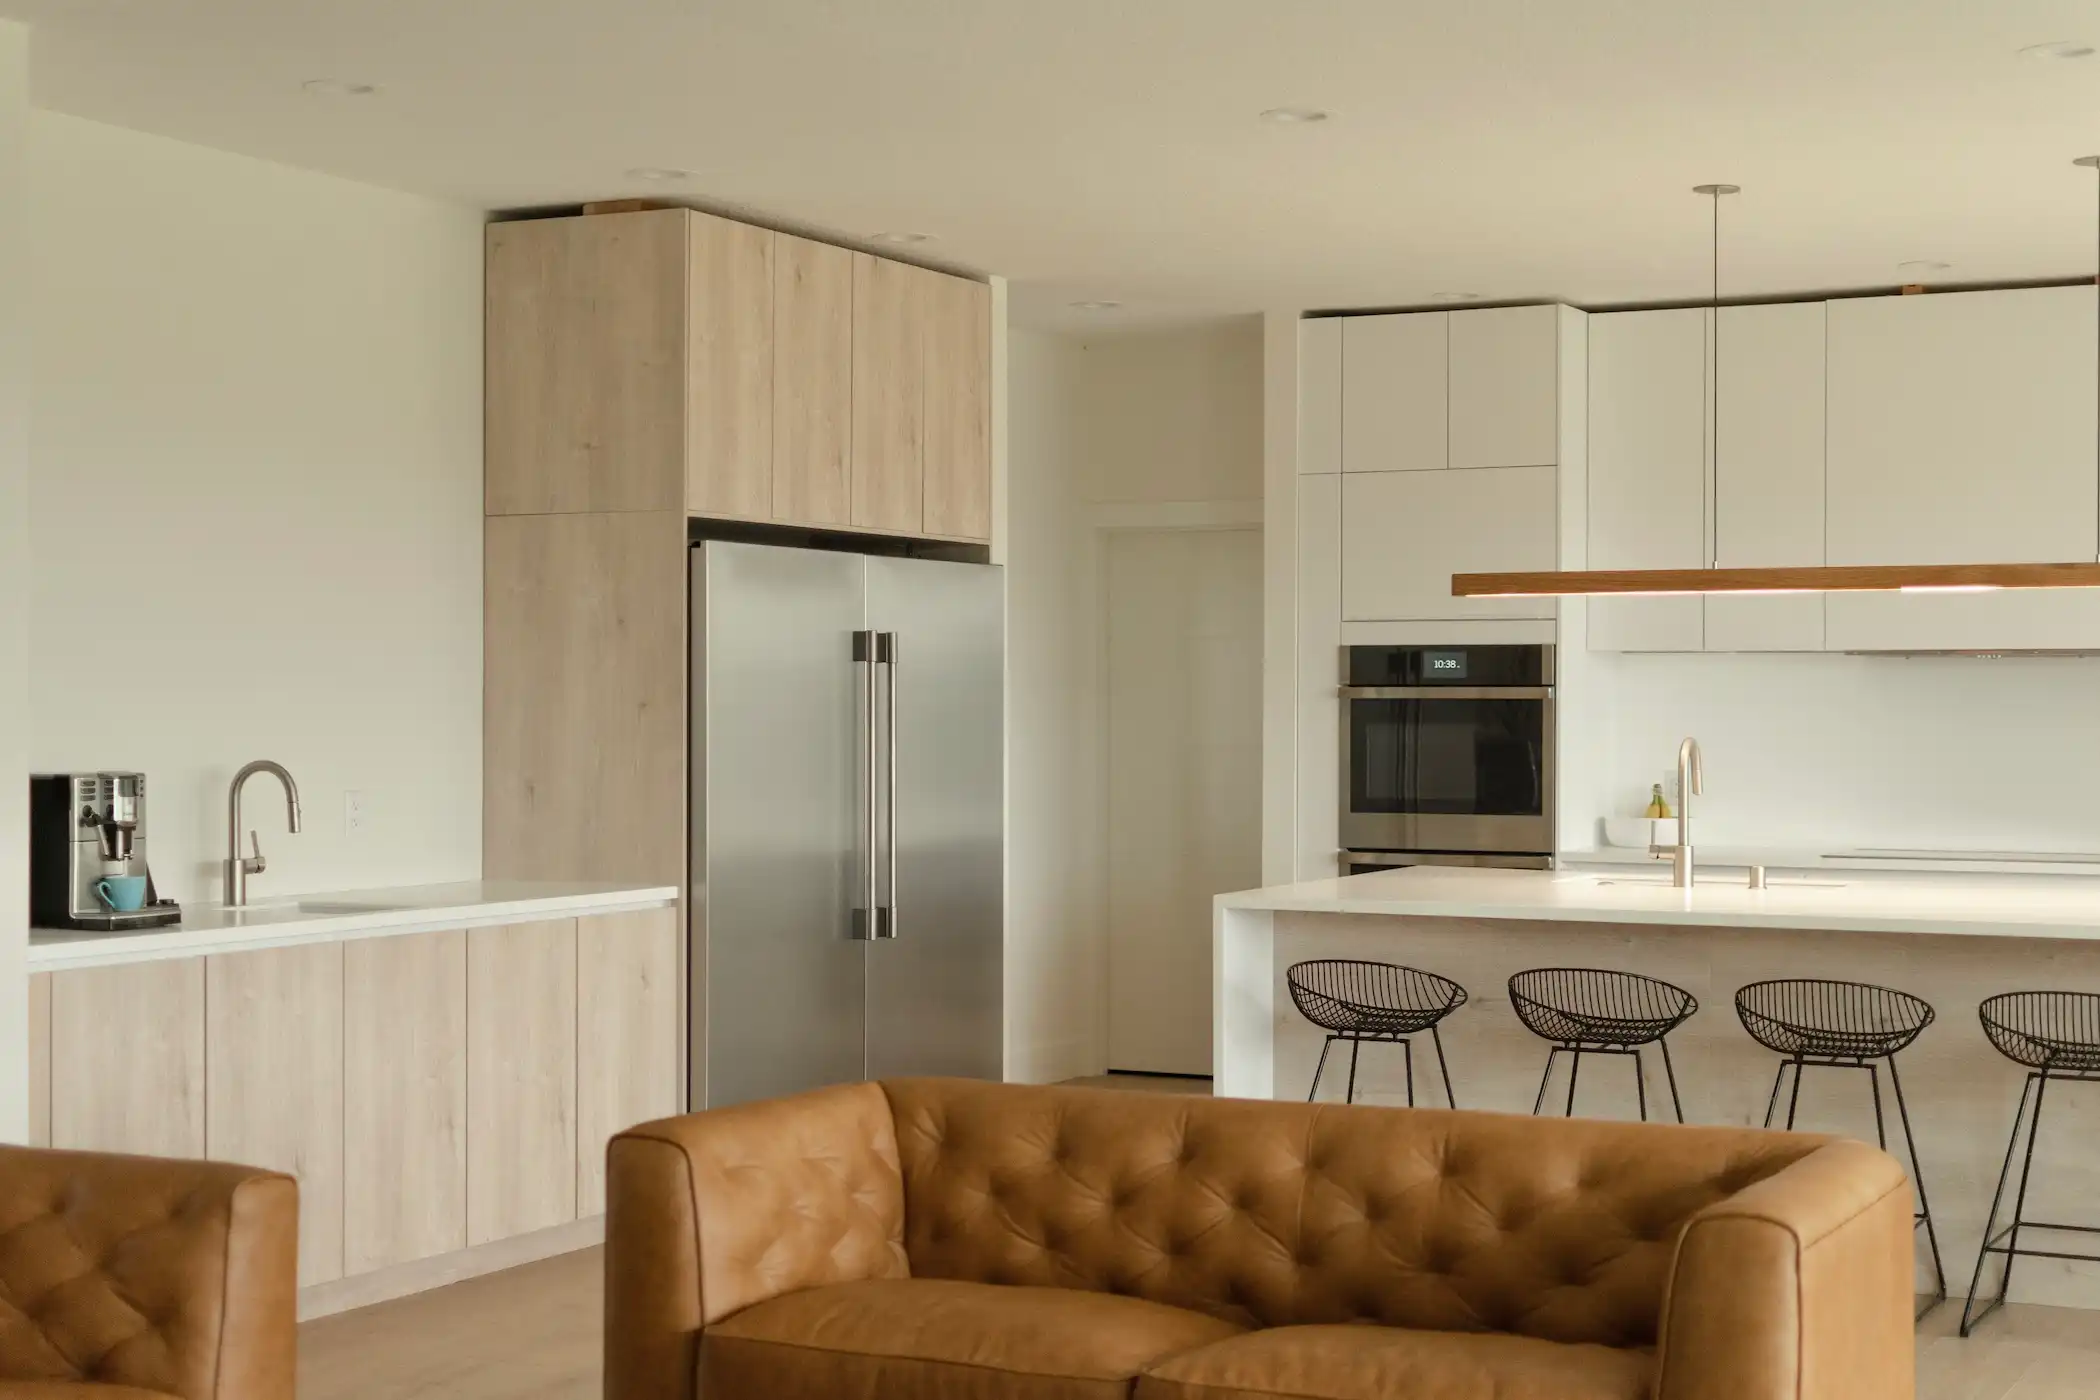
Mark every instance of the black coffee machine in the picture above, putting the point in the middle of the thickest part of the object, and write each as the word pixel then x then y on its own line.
pixel 85 828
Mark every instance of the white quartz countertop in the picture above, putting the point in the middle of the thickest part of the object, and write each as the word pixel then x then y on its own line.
pixel 2001 907
pixel 323 918
pixel 1863 858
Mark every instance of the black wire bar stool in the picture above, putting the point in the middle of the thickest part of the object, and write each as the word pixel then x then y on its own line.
pixel 1814 1023
pixel 1374 1001
pixel 2056 1035
pixel 1593 1011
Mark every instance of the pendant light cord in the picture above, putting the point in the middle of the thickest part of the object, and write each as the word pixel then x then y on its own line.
pixel 1715 554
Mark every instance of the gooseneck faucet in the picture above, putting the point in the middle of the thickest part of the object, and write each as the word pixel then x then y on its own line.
pixel 1691 782
pixel 238 866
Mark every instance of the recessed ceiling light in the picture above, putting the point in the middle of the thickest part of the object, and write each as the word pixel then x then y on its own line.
pixel 658 173
pixel 1454 296
pixel 1095 305
pixel 331 87
pixel 1295 116
pixel 2058 48
pixel 901 237
pixel 1922 267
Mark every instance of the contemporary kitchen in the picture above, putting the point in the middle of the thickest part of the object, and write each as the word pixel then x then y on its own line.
pixel 800 699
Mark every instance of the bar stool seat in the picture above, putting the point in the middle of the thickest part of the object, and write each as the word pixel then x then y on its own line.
pixel 1815 1022
pixel 1357 1001
pixel 1596 1011
pixel 2055 1036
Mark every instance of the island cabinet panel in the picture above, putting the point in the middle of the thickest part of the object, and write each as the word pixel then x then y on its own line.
pixel 729 369
pixel 889 408
pixel 40 1060
pixel 404 1098
pixel 812 382
pixel 585 365
pixel 127 1058
pixel 629 1037
pixel 273 1036
pixel 958 408
pixel 521 1078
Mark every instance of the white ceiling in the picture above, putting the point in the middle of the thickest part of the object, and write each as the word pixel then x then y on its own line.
pixel 1519 149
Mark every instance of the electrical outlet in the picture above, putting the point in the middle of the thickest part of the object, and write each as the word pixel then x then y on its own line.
pixel 355 813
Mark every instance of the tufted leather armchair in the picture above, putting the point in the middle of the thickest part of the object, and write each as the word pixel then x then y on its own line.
pixel 134 1278
pixel 968 1241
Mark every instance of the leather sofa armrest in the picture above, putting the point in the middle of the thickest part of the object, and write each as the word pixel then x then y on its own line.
pixel 200 1270
pixel 713 1212
pixel 1798 1287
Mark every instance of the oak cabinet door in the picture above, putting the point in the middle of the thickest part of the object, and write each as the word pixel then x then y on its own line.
pixel 729 369
pixel 273 1036
pixel 630 1040
pixel 404 1098
pixel 812 382
pixel 958 408
pixel 585 363
pixel 521 1078
pixel 889 395
pixel 127 1058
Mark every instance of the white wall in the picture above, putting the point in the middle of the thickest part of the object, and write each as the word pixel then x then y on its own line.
pixel 256 502
pixel 1144 429
pixel 1836 751
pixel 14 584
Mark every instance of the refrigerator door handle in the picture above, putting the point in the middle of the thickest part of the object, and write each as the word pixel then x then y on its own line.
pixel 886 652
pixel 867 913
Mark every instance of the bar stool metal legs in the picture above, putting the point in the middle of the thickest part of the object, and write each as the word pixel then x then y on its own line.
pixel 1821 1024
pixel 2056 1035
pixel 1378 1002
pixel 1592 1011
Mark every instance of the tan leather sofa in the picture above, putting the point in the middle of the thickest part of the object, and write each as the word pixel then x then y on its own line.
pixel 134 1278
pixel 964 1241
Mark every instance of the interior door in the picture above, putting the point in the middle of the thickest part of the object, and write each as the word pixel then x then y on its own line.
pixel 936 985
pixel 1184 778
pixel 777 991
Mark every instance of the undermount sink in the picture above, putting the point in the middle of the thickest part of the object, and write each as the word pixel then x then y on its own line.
pixel 351 906
pixel 1722 882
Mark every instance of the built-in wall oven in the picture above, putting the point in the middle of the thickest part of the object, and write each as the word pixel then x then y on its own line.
pixel 1447 756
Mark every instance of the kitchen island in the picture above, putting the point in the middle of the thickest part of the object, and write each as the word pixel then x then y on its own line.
pixel 1952 939
pixel 439 1065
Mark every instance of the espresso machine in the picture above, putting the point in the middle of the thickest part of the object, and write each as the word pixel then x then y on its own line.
pixel 84 829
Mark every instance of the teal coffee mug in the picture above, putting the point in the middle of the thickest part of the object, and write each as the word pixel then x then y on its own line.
pixel 122 893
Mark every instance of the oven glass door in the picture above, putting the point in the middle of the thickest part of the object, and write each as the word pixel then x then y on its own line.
pixel 1461 771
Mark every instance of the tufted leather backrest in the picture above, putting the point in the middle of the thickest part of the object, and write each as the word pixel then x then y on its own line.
pixel 1269 1214
pixel 175 1277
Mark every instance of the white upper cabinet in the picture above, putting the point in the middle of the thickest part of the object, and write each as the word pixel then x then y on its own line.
pixel 1647 471
pixel 1394 390
pixel 1505 387
pixel 1319 396
pixel 1404 534
pixel 1962 430
pixel 1768 471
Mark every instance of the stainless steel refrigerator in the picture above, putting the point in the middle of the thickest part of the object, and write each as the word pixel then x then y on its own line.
pixel 847 822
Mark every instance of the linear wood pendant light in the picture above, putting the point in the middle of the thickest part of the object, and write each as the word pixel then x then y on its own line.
pixel 1844 578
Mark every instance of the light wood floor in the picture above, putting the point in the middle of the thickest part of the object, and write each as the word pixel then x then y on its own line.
pixel 533 1333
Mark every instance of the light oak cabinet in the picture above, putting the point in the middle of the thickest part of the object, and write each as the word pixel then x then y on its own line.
pixel 521 1079
pixel 430 1091
pixel 404 1099
pixel 127 1058
pixel 273 1055
pixel 812 382
pixel 674 360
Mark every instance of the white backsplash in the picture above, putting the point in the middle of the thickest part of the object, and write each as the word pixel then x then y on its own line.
pixel 1832 751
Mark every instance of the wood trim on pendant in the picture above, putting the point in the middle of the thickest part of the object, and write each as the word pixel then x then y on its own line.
pixel 1856 578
